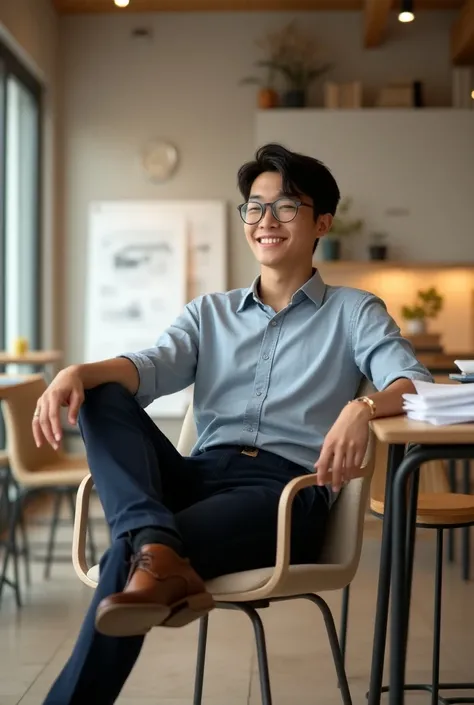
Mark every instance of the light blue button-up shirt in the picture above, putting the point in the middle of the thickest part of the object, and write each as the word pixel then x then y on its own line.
pixel 275 381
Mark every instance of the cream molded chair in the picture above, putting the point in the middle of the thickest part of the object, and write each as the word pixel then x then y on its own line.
pixel 34 470
pixel 255 589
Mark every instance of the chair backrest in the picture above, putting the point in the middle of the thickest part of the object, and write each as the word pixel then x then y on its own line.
pixel 343 542
pixel 18 409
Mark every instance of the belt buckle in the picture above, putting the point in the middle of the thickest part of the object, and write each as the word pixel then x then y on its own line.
pixel 253 452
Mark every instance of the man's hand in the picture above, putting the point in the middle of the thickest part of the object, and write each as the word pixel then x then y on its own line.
pixel 67 389
pixel 344 447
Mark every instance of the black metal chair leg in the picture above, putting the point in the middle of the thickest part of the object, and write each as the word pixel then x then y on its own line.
pixel 335 647
pixel 201 660
pixel 25 548
pixel 344 619
pixel 12 551
pixel 52 534
pixel 437 616
pixel 262 657
pixel 466 532
pixel 452 488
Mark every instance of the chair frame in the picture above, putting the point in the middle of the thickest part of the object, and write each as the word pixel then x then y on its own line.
pixel 341 569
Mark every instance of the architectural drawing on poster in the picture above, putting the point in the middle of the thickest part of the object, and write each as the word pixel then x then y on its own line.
pixel 146 260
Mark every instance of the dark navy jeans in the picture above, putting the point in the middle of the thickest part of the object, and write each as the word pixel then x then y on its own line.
pixel 218 508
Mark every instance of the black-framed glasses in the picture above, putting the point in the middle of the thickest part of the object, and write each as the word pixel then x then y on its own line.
pixel 283 209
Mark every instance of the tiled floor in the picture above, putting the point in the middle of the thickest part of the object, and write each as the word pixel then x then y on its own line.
pixel 36 641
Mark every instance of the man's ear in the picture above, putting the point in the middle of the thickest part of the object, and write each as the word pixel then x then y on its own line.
pixel 323 225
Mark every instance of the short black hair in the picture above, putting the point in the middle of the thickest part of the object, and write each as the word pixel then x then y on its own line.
pixel 300 174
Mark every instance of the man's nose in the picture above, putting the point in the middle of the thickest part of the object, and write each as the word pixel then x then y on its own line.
pixel 268 219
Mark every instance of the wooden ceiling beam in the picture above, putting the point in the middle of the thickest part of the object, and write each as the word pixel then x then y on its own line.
pixel 375 9
pixel 376 13
pixel 462 36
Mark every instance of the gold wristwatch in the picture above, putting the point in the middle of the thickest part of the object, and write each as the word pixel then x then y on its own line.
pixel 369 402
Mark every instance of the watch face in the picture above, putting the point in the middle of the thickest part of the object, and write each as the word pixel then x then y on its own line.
pixel 160 160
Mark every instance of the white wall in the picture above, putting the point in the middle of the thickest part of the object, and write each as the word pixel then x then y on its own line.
pixel 31 28
pixel 183 85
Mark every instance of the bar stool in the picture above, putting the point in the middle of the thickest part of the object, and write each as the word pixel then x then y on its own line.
pixel 438 511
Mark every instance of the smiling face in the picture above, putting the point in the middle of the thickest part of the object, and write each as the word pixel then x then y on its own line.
pixel 283 245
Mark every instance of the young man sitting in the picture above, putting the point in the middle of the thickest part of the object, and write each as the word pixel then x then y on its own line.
pixel 275 370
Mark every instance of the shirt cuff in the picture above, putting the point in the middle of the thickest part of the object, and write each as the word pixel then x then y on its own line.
pixel 146 392
pixel 409 374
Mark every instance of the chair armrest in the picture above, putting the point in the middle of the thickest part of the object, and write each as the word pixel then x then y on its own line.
pixel 285 508
pixel 80 531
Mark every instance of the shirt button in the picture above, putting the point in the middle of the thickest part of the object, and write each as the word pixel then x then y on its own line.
pixel 274 323
pixel 265 357
pixel 259 394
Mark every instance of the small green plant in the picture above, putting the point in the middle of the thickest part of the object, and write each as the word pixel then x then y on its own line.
pixel 427 305
pixel 342 224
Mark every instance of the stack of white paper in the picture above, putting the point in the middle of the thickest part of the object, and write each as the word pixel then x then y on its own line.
pixel 440 404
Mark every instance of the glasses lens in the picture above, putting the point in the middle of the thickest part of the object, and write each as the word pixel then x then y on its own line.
pixel 285 210
pixel 251 212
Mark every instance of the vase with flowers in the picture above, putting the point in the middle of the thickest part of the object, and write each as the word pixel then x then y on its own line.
pixel 293 54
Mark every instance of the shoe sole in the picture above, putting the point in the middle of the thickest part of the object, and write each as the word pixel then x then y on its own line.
pixel 137 620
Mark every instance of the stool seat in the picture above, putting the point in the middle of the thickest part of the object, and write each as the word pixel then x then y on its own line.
pixel 438 508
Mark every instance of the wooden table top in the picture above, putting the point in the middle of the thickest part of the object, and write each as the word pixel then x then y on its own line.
pixel 8 382
pixel 442 361
pixel 400 429
pixel 31 357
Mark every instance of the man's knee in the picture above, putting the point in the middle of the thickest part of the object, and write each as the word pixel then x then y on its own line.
pixel 111 394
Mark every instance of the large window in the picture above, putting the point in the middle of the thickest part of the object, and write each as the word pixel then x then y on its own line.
pixel 20 187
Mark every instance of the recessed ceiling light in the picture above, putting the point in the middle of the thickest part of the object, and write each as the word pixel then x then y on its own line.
pixel 122 3
pixel 406 11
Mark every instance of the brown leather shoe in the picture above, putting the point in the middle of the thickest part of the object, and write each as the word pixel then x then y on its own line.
pixel 162 589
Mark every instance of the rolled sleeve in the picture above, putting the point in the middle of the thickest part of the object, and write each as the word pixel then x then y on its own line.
pixel 170 365
pixel 381 353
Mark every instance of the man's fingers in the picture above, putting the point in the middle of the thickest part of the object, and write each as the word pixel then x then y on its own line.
pixel 337 469
pixel 45 423
pixel 74 406
pixel 323 465
pixel 36 428
pixel 55 419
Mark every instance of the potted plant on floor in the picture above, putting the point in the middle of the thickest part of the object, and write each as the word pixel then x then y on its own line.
pixel 377 246
pixel 342 226
pixel 427 305
pixel 293 54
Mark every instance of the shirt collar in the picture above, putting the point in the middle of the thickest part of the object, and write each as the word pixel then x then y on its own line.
pixel 314 289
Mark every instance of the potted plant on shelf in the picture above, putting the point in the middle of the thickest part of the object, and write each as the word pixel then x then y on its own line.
pixel 427 305
pixel 377 247
pixel 342 225
pixel 293 54
pixel 267 95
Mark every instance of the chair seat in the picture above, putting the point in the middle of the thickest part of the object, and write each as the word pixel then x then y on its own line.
pixel 306 578
pixel 439 508
pixel 69 470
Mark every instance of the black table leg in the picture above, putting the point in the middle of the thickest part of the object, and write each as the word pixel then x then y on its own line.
pixel 400 561
pixel 396 453
pixel 402 569
pixel 466 532
pixel 410 544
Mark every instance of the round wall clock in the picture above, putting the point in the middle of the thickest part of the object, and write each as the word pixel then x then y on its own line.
pixel 160 160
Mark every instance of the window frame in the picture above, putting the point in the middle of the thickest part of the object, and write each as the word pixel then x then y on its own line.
pixel 11 66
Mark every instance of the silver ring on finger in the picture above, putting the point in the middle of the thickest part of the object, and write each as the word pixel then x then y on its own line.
pixel 37 412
